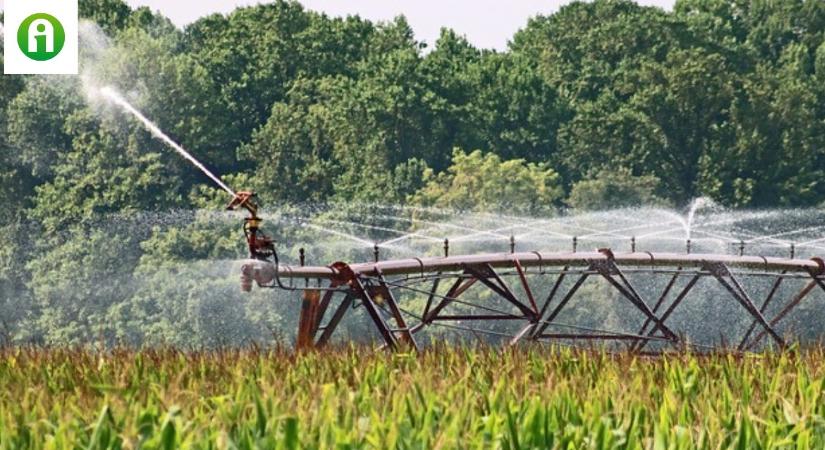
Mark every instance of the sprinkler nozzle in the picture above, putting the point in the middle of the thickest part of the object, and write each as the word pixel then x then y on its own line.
pixel 260 245
pixel 246 200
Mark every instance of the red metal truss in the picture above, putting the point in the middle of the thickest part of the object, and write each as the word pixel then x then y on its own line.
pixel 510 293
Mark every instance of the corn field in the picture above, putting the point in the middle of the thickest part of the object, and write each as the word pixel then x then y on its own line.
pixel 446 397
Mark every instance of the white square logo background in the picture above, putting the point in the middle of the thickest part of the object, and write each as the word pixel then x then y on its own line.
pixel 15 61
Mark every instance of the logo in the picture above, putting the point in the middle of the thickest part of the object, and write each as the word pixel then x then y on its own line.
pixel 41 37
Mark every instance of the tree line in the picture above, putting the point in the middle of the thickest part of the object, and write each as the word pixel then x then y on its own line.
pixel 602 104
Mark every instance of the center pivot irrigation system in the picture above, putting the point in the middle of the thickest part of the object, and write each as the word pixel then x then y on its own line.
pixel 521 297
pixel 512 310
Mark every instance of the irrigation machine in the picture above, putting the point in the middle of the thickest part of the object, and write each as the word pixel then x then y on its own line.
pixel 521 297
pixel 659 298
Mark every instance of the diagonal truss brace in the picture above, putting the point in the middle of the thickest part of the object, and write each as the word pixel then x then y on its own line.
pixel 722 274
pixel 376 294
pixel 610 271
pixel 488 277
pixel 793 303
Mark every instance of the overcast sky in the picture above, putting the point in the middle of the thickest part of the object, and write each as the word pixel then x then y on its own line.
pixel 486 23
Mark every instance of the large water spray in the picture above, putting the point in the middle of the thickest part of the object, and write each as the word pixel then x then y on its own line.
pixel 117 99
pixel 661 229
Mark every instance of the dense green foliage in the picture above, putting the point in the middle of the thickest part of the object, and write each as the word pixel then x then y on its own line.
pixel 484 181
pixel 604 103
pixel 462 398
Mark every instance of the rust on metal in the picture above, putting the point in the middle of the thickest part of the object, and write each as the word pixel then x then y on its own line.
pixel 414 266
pixel 377 287
pixel 311 299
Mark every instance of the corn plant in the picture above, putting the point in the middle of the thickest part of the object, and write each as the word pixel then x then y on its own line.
pixel 446 397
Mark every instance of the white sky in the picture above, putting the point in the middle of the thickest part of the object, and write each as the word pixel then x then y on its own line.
pixel 486 23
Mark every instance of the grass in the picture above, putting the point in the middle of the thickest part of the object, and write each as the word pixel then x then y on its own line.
pixel 449 397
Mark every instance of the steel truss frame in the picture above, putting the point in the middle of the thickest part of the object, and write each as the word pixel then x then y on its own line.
pixel 371 286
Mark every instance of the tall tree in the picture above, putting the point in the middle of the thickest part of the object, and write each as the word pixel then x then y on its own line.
pixel 777 155
pixel 514 110
pixel 484 182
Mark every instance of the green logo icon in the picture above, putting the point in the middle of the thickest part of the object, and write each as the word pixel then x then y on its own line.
pixel 41 37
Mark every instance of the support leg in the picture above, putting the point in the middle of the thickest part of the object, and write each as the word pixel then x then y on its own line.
pixel 306 322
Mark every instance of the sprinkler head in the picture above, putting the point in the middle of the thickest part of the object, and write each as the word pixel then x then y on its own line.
pixel 246 200
pixel 260 245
